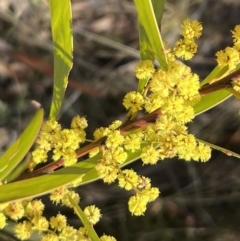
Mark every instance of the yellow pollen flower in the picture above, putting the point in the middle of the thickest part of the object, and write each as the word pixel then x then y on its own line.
pixel 144 69
pixel 228 57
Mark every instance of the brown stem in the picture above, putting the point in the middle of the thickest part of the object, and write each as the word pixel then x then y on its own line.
pixel 124 128
pixel 223 83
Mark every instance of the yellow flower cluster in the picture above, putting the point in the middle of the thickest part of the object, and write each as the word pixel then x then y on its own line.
pixel 185 48
pixel 107 238
pixel 173 93
pixel 145 193
pixel 230 56
pixel 3 220
pixel 113 155
pixel 92 213
pixel 62 142
pixel 31 211
pixel 54 229
pixel 133 102
pixel 60 195
pixel 144 70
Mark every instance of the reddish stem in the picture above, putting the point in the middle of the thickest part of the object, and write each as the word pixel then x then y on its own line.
pixel 126 127
pixel 223 83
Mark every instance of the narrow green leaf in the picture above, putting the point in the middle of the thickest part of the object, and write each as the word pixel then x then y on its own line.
pixel 216 73
pixel 158 7
pixel 40 185
pixel 19 169
pixel 90 230
pixel 210 100
pixel 145 49
pixel 218 148
pixel 151 43
pixel 61 24
pixel 18 150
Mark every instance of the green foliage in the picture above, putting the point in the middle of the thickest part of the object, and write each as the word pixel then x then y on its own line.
pixel 17 151
pixel 158 8
pixel 151 44
pixel 41 185
pixel 209 101
pixel 46 183
pixel 61 22
pixel 79 212
pixel 223 150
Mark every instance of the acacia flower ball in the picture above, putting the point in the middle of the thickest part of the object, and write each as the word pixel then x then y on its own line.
pixel 144 69
pixel 227 57
pixel 93 214
pixel 236 34
pixel 133 101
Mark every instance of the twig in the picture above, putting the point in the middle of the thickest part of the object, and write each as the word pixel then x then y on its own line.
pixel 126 127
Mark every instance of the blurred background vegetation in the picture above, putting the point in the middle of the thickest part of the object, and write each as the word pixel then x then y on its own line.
pixel 199 201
